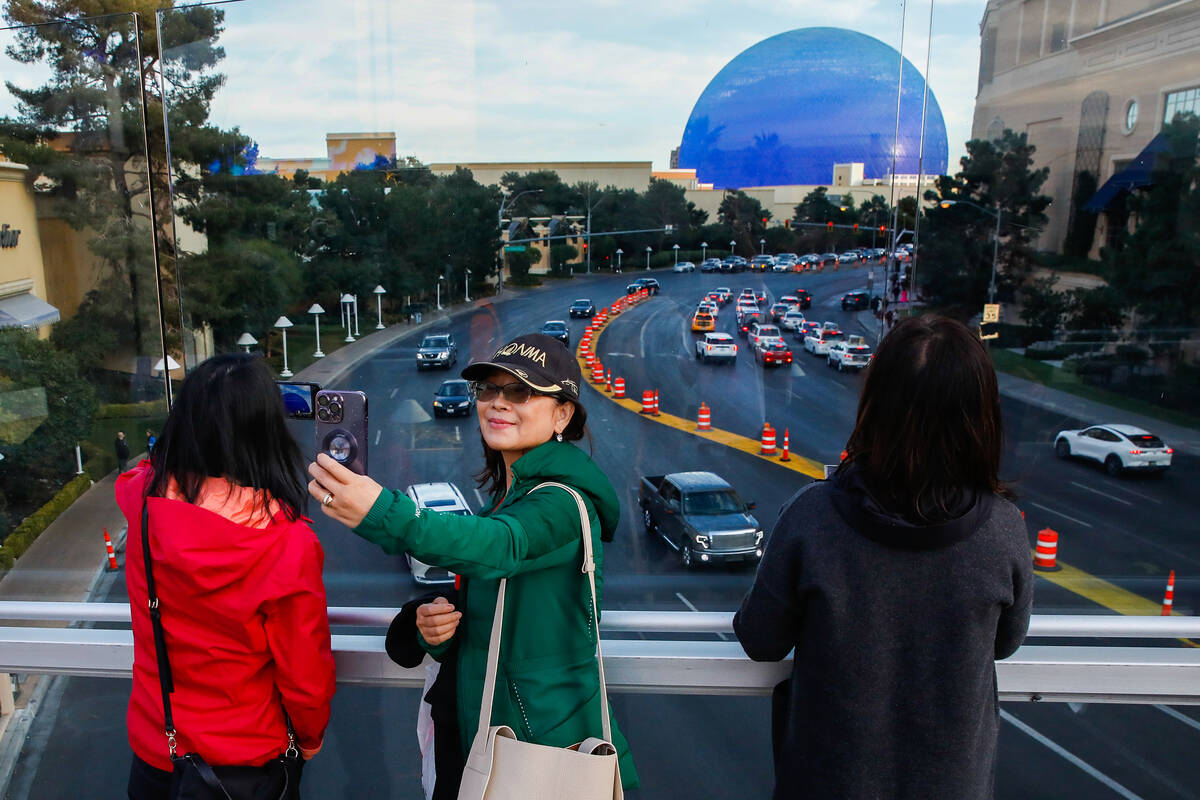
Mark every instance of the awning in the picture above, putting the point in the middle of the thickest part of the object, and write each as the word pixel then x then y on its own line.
pixel 26 311
pixel 1134 176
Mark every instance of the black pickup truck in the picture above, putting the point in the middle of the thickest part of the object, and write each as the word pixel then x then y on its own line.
pixel 701 516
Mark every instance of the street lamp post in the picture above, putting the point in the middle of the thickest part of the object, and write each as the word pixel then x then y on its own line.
pixel 316 310
pixel 675 247
pixel 283 323
pixel 732 245
pixel 762 245
pixel 466 285
pixel 998 213
pixel 440 278
pixel 500 224
pixel 647 258
pixel 704 251
pixel 246 341
pixel 356 333
pixel 619 253
pixel 347 299
pixel 379 293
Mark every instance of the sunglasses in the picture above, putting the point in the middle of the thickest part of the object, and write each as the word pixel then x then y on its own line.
pixel 515 392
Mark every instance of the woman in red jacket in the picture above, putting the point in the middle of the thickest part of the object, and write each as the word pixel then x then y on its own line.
pixel 238 575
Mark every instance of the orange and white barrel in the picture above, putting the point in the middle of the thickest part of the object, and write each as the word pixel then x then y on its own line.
pixel 704 418
pixel 1169 597
pixel 597 372
pixel 1045 554
pixel 647 402
pixel 589 359
pixel 768 440
pixel 618 387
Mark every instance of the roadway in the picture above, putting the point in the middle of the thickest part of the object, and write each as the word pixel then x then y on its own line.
pixel 1129 531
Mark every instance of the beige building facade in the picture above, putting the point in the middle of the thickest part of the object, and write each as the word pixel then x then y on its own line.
pixel 1090 82
pixel 23 291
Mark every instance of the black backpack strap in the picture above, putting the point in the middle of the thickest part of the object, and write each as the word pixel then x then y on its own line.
pixel 160 636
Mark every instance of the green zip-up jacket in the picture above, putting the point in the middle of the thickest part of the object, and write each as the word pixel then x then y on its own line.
pixel 547 685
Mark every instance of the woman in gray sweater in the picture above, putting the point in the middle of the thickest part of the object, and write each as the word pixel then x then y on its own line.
pixel 898 582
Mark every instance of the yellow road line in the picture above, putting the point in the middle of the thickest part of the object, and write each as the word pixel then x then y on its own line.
pixel 797 463
pixel 1074 580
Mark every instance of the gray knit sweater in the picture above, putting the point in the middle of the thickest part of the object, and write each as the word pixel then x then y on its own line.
pixel 895 629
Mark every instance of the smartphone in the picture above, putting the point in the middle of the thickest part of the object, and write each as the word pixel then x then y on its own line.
pixel 341 429
pixel 299 399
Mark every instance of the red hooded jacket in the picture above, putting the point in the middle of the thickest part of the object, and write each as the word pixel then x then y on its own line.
pixel 246 625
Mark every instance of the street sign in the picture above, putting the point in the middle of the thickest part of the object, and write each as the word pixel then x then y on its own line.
pixel 514 248
pixel 991 312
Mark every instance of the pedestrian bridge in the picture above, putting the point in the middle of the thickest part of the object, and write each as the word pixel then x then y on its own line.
pixel 672 653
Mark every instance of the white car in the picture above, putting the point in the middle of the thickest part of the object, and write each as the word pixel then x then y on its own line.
pixel 716 347
pixel 684 266
pixel 763 332
pixel 792 320
pixel 818 344
pixel 852 353
pixel 444 498
pixel 1117 447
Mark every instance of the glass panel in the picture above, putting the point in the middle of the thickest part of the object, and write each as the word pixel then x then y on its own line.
pixel 82 377
pixel 346 195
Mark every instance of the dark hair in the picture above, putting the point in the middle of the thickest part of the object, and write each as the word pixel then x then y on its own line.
pixel 492 477
pixel 228 422
pixel 928 426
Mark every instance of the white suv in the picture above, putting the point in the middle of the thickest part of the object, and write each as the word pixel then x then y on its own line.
pixel 445 498
pixel 761 332
pixel 1117 447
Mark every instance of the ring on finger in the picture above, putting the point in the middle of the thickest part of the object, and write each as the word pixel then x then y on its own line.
pixel 327 500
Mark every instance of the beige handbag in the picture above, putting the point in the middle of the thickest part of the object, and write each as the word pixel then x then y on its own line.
pixel 502 767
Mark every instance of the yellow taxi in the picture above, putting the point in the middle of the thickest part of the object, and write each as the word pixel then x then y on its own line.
pixel 702 322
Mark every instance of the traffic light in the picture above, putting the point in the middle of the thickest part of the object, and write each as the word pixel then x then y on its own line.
pixel 787 223
pixel 764 220
pixel 585 247
pixel 856 226
pixel 830 224
pixel 882 228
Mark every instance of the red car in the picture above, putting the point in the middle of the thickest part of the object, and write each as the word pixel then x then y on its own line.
pixel 773 353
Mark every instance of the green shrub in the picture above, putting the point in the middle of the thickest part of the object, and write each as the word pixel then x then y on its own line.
pixel 22 536
pixel 150 408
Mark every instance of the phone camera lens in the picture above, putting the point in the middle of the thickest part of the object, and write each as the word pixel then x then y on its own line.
pixel 323 400
pixel 323 413
pixel 340 447
pixel 335 410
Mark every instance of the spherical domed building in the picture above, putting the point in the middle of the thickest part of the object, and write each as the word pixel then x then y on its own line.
pixel 787 109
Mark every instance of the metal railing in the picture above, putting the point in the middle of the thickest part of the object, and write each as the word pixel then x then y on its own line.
pixel 1114 674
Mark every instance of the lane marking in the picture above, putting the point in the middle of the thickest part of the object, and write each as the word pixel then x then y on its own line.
pixel 392 396
pixel 1184 718
pixel 1068 755
pixel 378 433
pixel 796 371
pixel 1102 494
pixel 1138 494
pixel 693 609
pixel 1060 514
pixel 1100 591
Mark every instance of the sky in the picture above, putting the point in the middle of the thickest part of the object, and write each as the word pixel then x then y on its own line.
pixel 476 80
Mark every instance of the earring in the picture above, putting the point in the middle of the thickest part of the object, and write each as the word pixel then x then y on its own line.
pixel 558 436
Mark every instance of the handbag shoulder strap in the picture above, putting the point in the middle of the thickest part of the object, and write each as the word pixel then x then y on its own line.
pixel 160 637
pixel 493 659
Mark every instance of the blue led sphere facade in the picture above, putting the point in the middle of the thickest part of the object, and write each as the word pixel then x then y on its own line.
pixel 790 107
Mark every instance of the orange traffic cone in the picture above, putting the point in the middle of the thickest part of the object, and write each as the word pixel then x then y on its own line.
pixel 608 382
pixel 112 555
pixel 1169 597
pixel 785 456
pixel 656 402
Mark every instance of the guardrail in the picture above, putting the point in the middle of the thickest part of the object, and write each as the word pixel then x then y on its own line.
pixel 1116 674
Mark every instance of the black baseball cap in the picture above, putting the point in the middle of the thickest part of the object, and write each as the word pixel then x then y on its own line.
pixel 541 363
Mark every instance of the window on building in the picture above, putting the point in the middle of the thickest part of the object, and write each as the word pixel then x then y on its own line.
pixel 987 57
pixel 1182 102
pixel 1058 37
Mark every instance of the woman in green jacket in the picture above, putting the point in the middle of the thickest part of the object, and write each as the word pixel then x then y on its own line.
pixel 547 686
